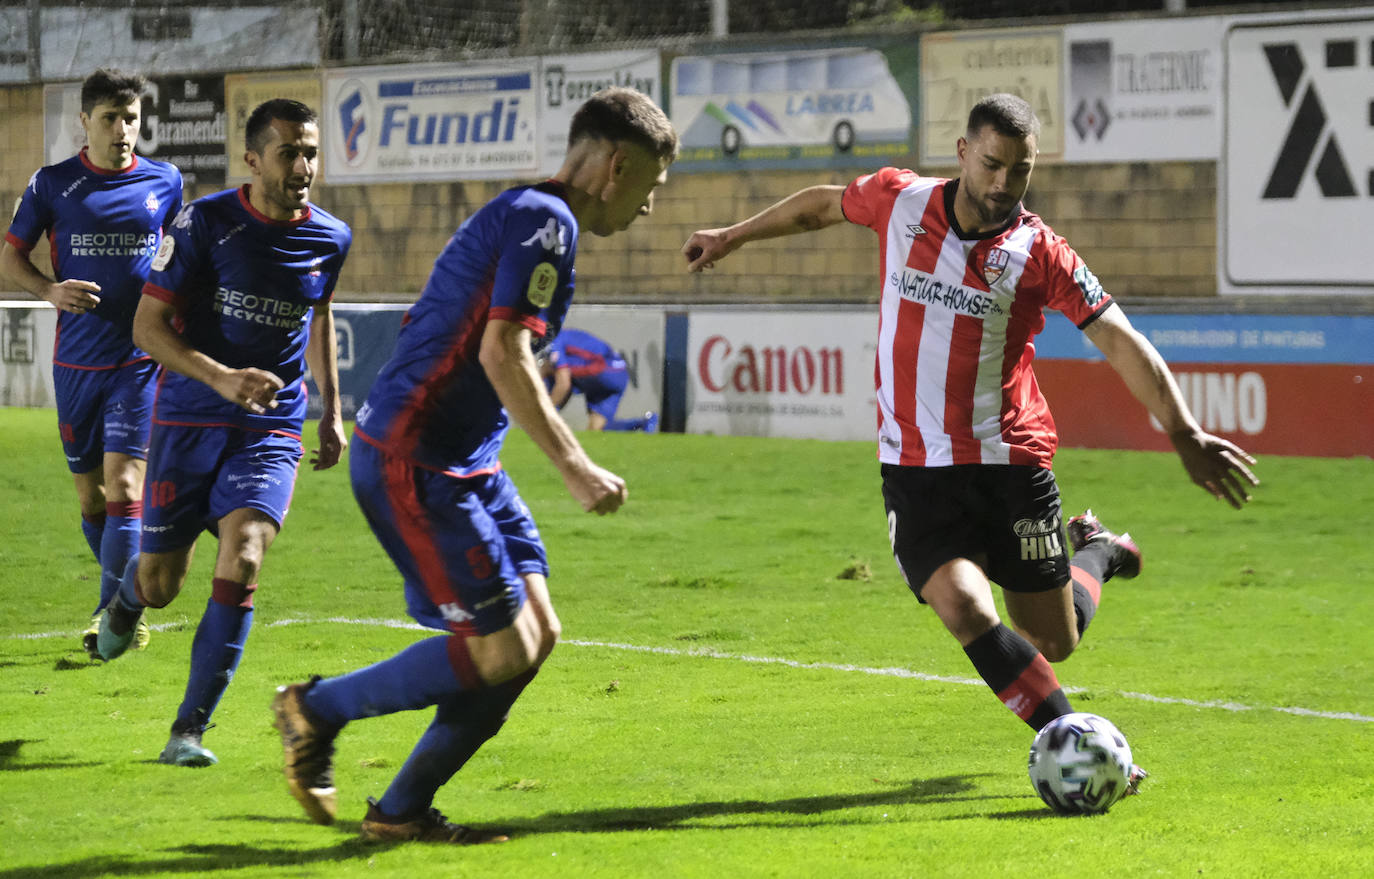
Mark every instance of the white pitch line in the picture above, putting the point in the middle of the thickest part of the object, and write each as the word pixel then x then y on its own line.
pixel 708 653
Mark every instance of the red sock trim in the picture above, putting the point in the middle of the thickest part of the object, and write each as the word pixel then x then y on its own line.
pixel 1088 582
pixel 232 593
pixel 463 666
pixel 94 518
pixel 127 509
pixel 1030 689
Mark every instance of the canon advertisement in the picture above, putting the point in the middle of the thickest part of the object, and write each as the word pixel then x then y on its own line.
pixel 782 373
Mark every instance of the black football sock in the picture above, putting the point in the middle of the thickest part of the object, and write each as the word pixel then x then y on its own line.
pixel 1020 676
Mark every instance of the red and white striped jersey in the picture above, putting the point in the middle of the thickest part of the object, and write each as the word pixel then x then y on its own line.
pixel 958 316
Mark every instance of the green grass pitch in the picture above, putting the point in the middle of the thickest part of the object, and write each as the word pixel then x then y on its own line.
pixel 725 703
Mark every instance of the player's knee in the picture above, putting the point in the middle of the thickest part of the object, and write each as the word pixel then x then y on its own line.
pixel 156 587
pixel 1053 649
pixel 123 484
pixel 550 632
pixel 245 556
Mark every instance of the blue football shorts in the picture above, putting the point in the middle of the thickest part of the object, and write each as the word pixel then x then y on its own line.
pixel 199 474
pixel 604 391
pixel 104 410
pixel 1005 517
pixel 461 544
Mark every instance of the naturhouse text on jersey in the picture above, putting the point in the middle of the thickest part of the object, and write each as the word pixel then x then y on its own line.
pixel 920 287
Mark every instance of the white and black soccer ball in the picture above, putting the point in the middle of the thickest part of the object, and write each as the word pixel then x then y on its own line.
pixel 1080 764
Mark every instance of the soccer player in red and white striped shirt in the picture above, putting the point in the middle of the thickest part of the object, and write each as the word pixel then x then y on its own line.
pixel 965 438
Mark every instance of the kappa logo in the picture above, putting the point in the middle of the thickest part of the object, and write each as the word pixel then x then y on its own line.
pixel 994 264
pixel 183 217
pixel 452 612
pixel 553 237
pixel 1310 131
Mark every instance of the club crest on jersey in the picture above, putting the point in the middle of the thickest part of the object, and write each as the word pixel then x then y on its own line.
pixel 151 203
pixel 994 264
pixel 543 280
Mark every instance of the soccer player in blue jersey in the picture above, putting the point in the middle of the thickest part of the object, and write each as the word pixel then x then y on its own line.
pixel 103 211
pixel 426 472
pixel 237 304
pixel 576 362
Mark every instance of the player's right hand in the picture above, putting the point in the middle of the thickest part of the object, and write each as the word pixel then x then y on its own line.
pixel 74 296
pixel 597 489
pixel 253 389
pixel 1218 466
pixel 705 247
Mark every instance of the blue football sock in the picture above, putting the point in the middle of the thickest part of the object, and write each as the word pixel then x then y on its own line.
pixel 118 544
pixel 417 677
pixel 215 654
pixel 93 527
pixel 627 423
pixel 461 725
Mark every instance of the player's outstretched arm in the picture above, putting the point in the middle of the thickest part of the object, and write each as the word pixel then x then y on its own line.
pixel 1217 465
pixel 75 296
pixel 805 211
pixel 322 355
pixel 253 389
pixel 509 364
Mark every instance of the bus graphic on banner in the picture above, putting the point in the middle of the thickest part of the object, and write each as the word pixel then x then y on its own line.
pixel 788 110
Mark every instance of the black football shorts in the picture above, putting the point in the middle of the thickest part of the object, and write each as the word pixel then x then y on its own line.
pixel 1005 517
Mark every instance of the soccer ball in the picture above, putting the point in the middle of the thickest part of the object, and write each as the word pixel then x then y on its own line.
pixel 1080 764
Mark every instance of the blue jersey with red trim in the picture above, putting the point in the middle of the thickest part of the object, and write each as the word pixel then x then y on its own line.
pixel 245 287
pixel 585 355
pixel 102 226
pixel 512 260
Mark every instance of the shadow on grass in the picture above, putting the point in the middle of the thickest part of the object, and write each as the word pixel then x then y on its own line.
pixel 9 758
pixel 951 788
pixel 198 859
pixel 210 858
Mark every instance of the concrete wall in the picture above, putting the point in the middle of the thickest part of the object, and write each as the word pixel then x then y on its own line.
pixel 1147 230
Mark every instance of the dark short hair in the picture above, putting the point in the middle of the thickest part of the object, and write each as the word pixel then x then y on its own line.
pixel 1007 114
pixel 258 131
pixel 624 114
pixel 110 86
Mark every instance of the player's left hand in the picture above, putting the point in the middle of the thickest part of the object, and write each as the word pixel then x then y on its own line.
pixel 1215 464
pixel 705 247
pixel 332 444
